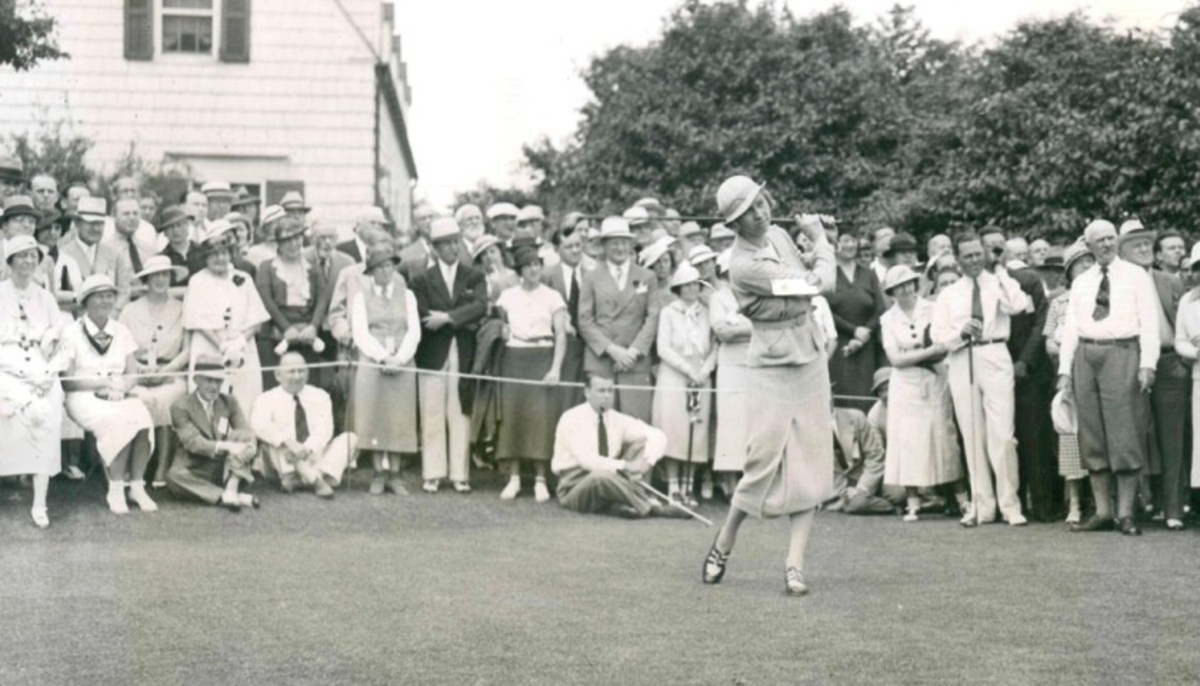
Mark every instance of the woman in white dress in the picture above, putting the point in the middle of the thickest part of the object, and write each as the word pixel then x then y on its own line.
pixel 102 399
pixel 732 330
pixel 156 322
pixel 922 448
pixel 30 395
pixel 222 311
pixel 682 401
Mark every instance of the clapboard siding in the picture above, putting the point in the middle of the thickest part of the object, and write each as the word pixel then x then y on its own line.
pixel 303 107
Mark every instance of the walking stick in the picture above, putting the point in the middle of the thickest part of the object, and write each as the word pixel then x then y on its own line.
pixel 669 503
pixel 693 409
pixel 974 428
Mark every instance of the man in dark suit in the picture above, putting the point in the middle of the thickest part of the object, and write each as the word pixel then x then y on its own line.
pixel 1170 398
pixel 451 299
pixel 565 278
pixel 618 318
pixel 369 221
pixel 216 446
pixel 1033 388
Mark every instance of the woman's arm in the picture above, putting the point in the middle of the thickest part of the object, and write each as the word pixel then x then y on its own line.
pixel 560 345
pixel 666 352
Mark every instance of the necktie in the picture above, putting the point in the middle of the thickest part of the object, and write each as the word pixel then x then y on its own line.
pixel 601 436
pixel 573 298
pixel 325 267
pixel 301 421
pixel 134 256
pixel 976 301
pixel 1101 311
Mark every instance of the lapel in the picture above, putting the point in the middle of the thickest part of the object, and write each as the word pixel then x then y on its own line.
pixel 200 418
pixel 845 438
pixel 1166 295
pixel 624 297
pixel 435 273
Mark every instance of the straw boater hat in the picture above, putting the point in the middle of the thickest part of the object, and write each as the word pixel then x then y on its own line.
pixel 17 245
pixel 170 216
pixel 91 209
pixel 159 264
pixel 899 275
pixel 735 195
pixel 614 227
pixel 482 243
pixel 655 251
pixel 272 213
pixel 443 228
pixel 96 283
pixel 292 200
pixel 209 367
pixel 218 189
pixel 530 213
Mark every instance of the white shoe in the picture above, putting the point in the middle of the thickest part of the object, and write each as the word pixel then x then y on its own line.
pixel 74 473
pixel 430 486
pixel 540 492
pixel 137 491
pixel 1017 519
pixel 462 487
pixel 968 518
pixel 1074 516
pixel 116 499
pixel 511 490
pixel 40 518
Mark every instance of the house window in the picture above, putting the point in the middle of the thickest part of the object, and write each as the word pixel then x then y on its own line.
pixel 187 26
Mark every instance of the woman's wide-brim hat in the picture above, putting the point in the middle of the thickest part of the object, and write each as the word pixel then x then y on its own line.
pixel 735 196
pixel 699 254
pixel 159 264
pixel 898 276
pixel 288 231
pixel 217 236
pixel 170 216
pixel 482 243
pixel 96 283
pixel 1073 254
pixel 655 251
pixel 18 244
pixel 685 275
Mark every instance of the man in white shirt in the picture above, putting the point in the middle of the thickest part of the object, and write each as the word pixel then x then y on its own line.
pixel 601 454
pixel 127 234
pixel 1109 353
pixel 83 254
pixel 971 320
pixel 294 422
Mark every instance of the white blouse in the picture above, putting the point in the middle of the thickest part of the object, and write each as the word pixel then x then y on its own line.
pixel 531 315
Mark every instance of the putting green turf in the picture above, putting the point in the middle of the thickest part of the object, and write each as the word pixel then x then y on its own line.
pixel 470 590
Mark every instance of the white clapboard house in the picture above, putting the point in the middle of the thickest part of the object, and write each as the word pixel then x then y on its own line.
pixel 276 95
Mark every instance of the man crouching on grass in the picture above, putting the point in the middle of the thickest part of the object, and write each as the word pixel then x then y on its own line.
pixel 601 454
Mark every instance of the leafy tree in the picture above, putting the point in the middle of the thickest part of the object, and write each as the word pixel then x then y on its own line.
pixel 27 35
pixel 57 150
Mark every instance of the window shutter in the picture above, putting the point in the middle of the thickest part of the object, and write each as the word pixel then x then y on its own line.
pixel 139 29
pixel 235 30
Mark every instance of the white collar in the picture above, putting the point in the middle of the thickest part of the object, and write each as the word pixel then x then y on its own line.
pixel 618 268
pixel 385 291
pixel 89 250
pixel 92 328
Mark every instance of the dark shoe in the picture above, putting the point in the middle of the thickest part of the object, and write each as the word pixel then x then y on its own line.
pixel 714 565
pixel 1129 528
pixel 793 582
pixel 1093 523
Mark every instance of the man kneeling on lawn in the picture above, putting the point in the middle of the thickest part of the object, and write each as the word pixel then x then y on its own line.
pixel 294 421
pixel 216 446
pixel 601 454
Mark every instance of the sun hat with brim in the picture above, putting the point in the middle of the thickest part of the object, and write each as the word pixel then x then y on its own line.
pixel 636 216
pixel 614 227
pixel 1192 260
pixel 1074 252
pixel 897 276
pixel 19 206
pixel 502 209
pixel 216 235
pixel 96 283
pixel 443 228
pixel 159 264
pixel 735 195
pixel 292 200
pixel 655 251
pixel 1131 229
pixel 170 216
pixel 381 254
pixel 700 254
pixel 720 232
pixel 288 231
pixel 371 214
pixel 684 275
pixel 18 244
pixel 273 213
pixel 91 209
pixel 901 242
pixel 882 376
pixel 209 367
pixel 650 204
pixel 482 243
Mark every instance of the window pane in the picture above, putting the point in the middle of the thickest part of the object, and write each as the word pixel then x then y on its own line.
pixel 204 34
pixel 187 4
pixel 170 34
pixel 187 34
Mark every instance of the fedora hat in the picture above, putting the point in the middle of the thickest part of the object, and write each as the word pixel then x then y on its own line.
pixel 381 253
pixel 20 206
pixel 901 242
pixel 96 283
pixel 244 198
pixel 898 275
pixel 170 216
pixel 272 213
pixel 735 195
pixel 882 376
pixel 92 209
pixel 614 227
pixel 1133 228
pixel 18 244
pixel 12 169
pixel 655 251
pixel 292 200
pixel 482 243
pixel 652 205
pixel 502 209
pixel 159 264
pixel 443 228
pixel 209 367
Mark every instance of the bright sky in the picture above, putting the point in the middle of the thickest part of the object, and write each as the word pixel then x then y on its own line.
pixel 489 76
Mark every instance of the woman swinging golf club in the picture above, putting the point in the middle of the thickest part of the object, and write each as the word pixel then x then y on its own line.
pixel 789 453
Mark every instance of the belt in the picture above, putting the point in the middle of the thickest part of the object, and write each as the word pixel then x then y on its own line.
pixel 1167 349
pixel 777 324
pixel 988 341
pixel 1117 342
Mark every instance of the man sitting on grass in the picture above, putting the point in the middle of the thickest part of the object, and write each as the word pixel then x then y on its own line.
pixel 601 454
pixel 216 446
pixel 294 421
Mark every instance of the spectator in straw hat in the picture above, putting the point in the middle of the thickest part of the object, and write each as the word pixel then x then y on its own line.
pixel 618 318
pixel 103 399
pixel 502 220
pixel 659 258
pixel 452 299
pixel 720 238
pixel 877 416
pixel 222 310
pixel 30 394
pixel 84 254
pixel 220 199
pixel 487 251
pixel 216 444
pixel 690 235
pixel 371 220
pixel 640 223
pixel 12 177
pixel 265 247
pixel 155 321
pixel 293 204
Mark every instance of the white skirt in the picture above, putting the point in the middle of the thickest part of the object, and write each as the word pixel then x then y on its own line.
pixel 30 428
pixel 158 399
pixel 114 423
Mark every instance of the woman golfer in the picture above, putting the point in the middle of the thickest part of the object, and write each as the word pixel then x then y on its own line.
pixel 789 449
